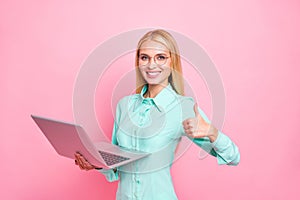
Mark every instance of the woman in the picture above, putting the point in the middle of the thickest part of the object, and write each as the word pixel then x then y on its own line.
pixel 154 120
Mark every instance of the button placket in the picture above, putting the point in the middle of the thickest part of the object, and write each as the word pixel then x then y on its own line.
pixel 142 120
pixel 134 139
pixel 136 186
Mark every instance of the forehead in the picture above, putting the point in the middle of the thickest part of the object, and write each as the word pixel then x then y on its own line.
pixel 152 47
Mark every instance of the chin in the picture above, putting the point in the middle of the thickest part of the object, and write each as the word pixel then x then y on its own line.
pixel 154 82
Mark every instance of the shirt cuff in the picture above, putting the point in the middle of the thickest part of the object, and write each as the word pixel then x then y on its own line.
pixel 110 174
pixel 221 142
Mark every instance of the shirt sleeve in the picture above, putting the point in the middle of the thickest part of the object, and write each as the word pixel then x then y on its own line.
pixel 110 174
pixel 223 148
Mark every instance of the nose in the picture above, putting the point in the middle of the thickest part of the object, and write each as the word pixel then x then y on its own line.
pixel 152 64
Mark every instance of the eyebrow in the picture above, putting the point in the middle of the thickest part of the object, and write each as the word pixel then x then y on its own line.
pixel 144 54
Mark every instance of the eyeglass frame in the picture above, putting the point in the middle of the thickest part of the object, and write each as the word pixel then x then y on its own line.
pixel 150 58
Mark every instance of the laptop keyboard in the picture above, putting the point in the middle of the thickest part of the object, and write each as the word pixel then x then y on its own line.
pixel 111 159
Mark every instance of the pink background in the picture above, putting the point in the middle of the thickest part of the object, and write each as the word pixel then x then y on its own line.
pixel 255 46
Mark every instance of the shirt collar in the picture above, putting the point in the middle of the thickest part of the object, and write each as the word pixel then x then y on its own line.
pixel 162 100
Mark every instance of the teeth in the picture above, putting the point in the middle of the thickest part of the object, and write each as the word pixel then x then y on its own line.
pixel 153 73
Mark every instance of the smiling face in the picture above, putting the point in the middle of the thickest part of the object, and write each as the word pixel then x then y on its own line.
pixel 155 46
pixel 154 63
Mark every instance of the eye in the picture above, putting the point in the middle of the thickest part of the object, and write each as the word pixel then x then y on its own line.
pixel 144 57
pixel 161 57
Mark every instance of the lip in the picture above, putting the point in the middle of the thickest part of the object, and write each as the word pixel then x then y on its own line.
pixel 153 74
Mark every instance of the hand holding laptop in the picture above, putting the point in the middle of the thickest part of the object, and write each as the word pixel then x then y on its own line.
pixel 83 163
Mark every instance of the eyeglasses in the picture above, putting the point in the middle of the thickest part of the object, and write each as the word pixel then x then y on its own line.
pixel 159 59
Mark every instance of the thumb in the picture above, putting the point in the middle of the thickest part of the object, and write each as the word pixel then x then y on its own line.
pixel 197 114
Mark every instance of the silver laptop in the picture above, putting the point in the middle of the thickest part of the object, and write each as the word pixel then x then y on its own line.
pixel 68 138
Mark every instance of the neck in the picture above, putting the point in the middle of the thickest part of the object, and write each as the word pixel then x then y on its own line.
pixel 153 90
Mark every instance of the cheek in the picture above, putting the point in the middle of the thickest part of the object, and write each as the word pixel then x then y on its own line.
pixel 166 73
pixel 141 70
pixel 167 70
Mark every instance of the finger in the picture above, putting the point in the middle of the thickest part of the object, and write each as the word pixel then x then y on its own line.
pixel 186 128
pixel 197 114
pixel 76 159
pixel 88 166
pixel 187 122
pixel 80 160
pixel 189 130
pixel 80 164
pixel 85 164
pixel 190 134
pixel 184 123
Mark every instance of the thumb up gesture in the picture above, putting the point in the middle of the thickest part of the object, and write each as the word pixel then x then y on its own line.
pixel 197 127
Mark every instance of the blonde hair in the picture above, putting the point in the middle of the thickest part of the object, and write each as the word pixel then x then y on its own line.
pixel 166 39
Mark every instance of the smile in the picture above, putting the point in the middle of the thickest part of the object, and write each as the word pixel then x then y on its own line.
pixel 153 74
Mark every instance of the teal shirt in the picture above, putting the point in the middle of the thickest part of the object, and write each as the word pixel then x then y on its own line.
pixel 154 125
